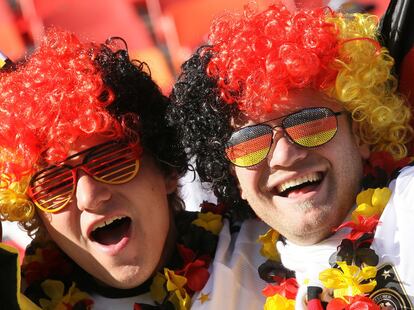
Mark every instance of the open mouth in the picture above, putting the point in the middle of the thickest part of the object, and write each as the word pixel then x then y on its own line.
pixel 299 186
pixel 112 231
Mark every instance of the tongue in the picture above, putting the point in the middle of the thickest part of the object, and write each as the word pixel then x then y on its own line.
pixel 302 190
pixel 112 234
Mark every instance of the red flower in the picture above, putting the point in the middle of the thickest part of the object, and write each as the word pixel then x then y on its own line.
pixel 220 208
pixel 186 254
pixel 364 225
pixel 35 271
pixel 50 263
pixel 385 161
pixel 196 274
pixel 287 288
pixel 194 269
pixel 353 303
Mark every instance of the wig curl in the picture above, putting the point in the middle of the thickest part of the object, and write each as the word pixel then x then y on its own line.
pixel 255 59
pixel 68 90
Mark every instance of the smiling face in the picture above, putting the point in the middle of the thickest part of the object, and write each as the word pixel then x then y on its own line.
pixel 305 192
pixel 117 233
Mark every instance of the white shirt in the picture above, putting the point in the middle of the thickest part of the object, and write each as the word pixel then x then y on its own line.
pixel 394 237
pixel 234 282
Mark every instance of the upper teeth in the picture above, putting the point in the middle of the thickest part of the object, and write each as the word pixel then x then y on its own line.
pixel 107 222
pixel 312 177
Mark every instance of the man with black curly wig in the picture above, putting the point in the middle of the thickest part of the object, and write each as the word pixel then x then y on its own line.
pixel 296 115
pixel 89 168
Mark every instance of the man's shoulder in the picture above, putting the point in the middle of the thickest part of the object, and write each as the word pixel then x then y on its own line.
pixel 403 178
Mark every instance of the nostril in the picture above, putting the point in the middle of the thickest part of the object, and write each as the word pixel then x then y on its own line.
pixel 285 153
pixel 90 194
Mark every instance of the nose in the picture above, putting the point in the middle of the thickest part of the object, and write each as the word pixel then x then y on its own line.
pixel 283 152
pixel 90 194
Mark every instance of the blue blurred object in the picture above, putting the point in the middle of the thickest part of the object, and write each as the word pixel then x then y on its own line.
pixel 5 62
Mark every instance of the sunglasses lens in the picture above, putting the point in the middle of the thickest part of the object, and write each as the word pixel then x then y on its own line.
pixel 111 163
pixel 249 146
pixel 52 189
pixel 311 127
pixel 114 163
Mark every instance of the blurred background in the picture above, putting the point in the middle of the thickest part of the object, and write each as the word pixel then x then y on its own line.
pixel 163 33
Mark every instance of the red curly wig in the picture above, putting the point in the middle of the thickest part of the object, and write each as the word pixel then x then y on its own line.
pixel 257 58
pixel 53 98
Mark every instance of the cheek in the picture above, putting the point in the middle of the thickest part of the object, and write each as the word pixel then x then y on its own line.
pixel 346 162
pixel 248 181
pixel 148 197
pixel 58 224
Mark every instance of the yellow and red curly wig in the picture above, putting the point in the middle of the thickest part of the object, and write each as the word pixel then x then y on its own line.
pixel 258 57
pixel 254 59
pixel 66 90
pixel 53 98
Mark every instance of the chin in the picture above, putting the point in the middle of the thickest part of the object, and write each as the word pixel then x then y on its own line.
pixel 310 233
pixel 126 277
pixel 126 283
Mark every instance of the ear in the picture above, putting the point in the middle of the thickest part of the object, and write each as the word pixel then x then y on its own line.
pixel 241 191
pixel 234 174
pixel 171 182
pixel 363 147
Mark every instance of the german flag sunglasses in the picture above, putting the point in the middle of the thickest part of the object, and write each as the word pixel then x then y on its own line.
pixel 112 162
pixel 308 128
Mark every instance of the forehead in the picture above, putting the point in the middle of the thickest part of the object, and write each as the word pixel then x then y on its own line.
pixel 298 100
pixel 84 143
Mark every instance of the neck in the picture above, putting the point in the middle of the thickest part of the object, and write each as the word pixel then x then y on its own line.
pixel 169 246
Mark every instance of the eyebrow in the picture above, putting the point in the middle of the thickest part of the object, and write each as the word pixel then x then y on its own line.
pixel 287 115
pixel 85 151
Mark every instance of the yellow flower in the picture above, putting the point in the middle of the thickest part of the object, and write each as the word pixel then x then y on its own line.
pixel 371 202
pixel 268 241
pixel 381 197
pixel 181 301
pixel 365 196
pixel 209 221
pixel 203 298
pixel 55 290
pixel 279 302
pixel 346 281
pixel 169 282
pixel 174 282
pixel 157 288
pixel 75 295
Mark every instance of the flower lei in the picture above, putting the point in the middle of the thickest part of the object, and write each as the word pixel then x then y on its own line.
pixel 49 273
pixel 353 271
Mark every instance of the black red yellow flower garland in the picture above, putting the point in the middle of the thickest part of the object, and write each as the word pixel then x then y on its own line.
pixel 48 272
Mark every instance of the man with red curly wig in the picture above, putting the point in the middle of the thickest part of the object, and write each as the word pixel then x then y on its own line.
pixel 89 168
pixel 296 115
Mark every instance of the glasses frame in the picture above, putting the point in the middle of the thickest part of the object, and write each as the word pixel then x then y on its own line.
pixel 273 130
pixel 74 171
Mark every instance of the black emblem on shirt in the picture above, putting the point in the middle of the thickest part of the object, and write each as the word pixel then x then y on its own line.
pixel 389 293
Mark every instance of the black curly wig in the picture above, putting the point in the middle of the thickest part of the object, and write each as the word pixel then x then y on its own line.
pixel 135 92
pixel 203 121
